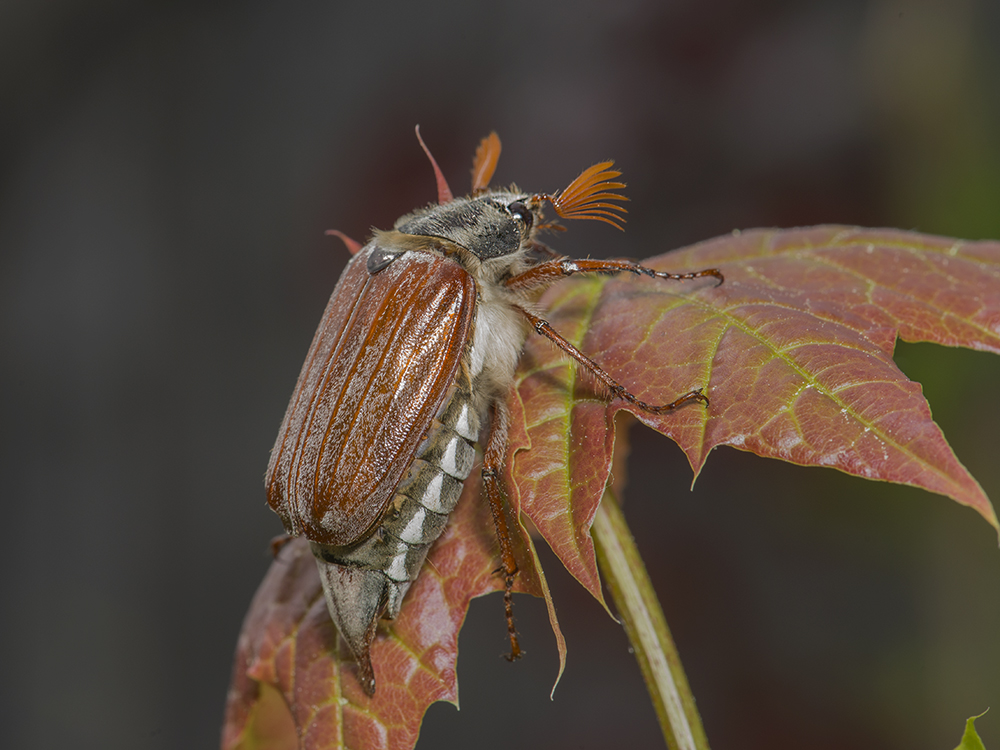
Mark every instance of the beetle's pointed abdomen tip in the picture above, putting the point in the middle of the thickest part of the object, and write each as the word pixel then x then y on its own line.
pixel 356 599
pixel 366 675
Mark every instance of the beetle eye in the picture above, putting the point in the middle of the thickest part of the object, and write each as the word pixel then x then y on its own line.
pixel 522 212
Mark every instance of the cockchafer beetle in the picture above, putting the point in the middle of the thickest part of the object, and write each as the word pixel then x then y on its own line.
pixel 415 353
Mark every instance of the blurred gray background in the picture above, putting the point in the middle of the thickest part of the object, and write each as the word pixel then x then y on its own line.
pixel 167 170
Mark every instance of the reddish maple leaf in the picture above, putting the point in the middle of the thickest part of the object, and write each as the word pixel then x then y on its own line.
pixel 795 353
pixel 794 350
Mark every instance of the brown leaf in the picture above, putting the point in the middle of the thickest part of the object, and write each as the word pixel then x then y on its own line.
pixel 794 351
pixel 290 659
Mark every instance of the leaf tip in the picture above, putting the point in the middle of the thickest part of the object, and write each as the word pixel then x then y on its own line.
pixel 559 674
pixel 970 738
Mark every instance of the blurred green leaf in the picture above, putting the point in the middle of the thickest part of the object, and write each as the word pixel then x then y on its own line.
pixel 970 740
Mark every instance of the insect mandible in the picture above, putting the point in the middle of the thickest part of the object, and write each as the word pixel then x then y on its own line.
pixel 412 362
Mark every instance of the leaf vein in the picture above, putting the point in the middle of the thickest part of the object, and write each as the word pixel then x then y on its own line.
pixel 846 408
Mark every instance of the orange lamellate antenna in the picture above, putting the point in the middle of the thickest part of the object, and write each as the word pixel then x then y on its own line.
pixel 587 196
pixel 485 162
pixel 444 192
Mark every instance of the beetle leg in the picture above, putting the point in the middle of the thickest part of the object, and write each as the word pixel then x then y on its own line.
pixel 353 246
pixel 493 458
pixel 542 326
pixel 551 271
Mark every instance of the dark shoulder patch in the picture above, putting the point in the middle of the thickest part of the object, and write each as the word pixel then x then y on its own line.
pixel 379 258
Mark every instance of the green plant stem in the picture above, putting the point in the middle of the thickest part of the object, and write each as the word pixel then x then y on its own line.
pixel 640 612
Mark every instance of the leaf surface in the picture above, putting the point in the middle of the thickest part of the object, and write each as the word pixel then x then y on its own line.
pixel 794 350
pixel 292 669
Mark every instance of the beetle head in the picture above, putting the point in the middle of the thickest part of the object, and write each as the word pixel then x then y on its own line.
pixel 494 223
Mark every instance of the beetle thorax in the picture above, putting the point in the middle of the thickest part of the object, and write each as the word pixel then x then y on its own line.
pixel 488 226
pixel 499 332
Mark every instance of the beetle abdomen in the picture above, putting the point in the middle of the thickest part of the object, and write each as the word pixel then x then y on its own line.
pixel 425 497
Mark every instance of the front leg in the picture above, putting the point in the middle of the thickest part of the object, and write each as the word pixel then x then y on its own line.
pixel 550 271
